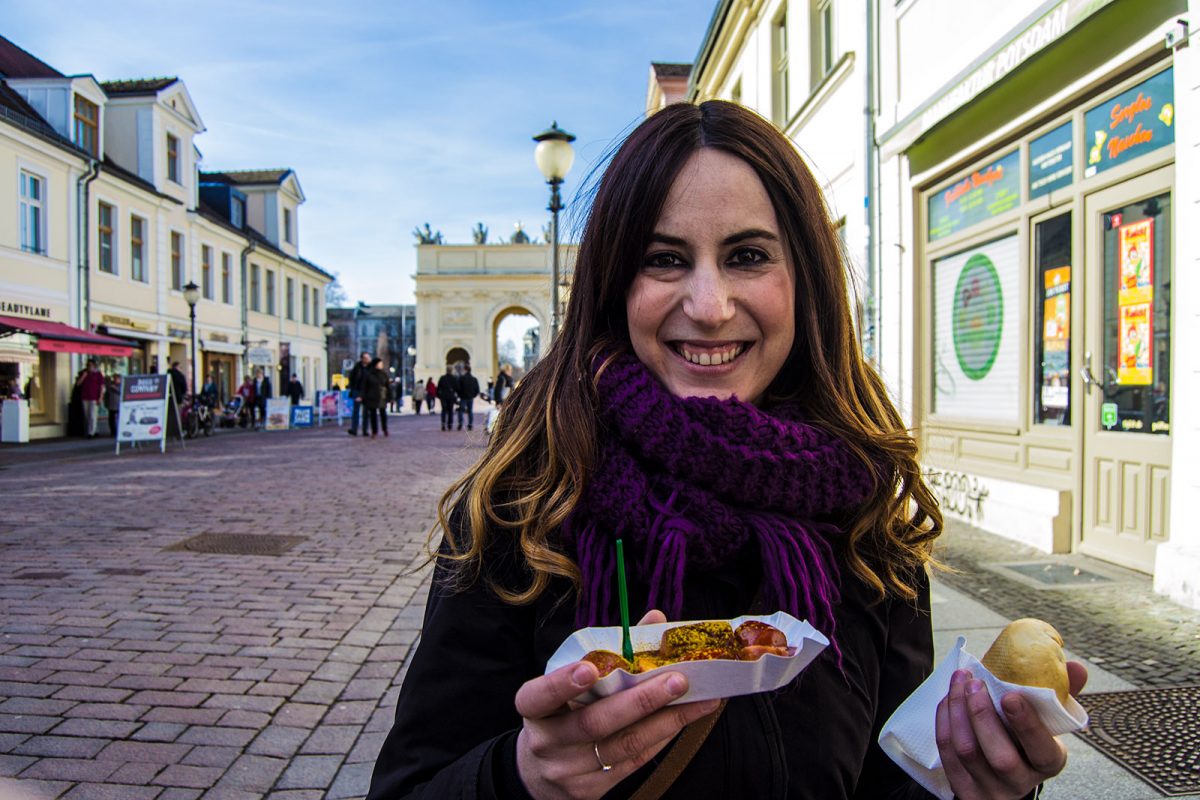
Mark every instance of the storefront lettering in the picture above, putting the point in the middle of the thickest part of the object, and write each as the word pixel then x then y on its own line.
pixel 958 492
pixel 1119 144
pixel 1121 113
pixel 989 176
pixel 24 310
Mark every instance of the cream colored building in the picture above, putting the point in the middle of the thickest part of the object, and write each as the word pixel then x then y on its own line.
pixel 118 237
pixel 1026 265
pixel 465 291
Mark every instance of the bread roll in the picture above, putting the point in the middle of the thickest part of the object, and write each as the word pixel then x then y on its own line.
pixel 1029 652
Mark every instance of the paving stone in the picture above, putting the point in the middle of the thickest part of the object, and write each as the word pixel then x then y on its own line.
pixel 212 756
pixel 139 774
pixel 113 791
pixel 252 773
pixel 352 781
pixel 90 694
pixel 221 736
pixel 69 769
pixel 310 772
pixel 61 746
pixel 189 776
pixel 145 752
pixel 103 728
pixel 11 765
pixel 24 723
pixel 331 740
pixel 278 740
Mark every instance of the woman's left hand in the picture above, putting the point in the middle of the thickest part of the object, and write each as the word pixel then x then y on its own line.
pixel 984 759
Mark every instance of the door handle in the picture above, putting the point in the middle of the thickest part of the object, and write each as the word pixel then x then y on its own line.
pixel 1085 373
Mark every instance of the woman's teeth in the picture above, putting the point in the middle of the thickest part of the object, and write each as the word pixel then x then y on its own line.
pixel 711 357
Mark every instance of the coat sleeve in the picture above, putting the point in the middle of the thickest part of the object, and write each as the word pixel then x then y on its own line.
pixel 456 727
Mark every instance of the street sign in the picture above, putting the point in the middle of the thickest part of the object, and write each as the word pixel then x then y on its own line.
pixel 260 356
pixel 347 365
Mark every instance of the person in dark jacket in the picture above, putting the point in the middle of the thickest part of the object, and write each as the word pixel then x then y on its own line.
pixel 375 397
pixel 504 383
pixel 447 394
pixel 295 390
pixel 262 393
pixel 697 407
pixel 357 375
pixel 468 390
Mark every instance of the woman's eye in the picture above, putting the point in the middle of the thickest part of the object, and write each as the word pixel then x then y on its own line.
pixel 748 256
pixel 662 261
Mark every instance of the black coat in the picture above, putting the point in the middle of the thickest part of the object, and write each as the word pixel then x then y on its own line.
pixel 447 390
pixel 375 389
pixel 357 373
pixel 456 728
pixel 468 387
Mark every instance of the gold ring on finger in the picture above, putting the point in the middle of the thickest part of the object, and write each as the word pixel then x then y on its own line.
pixel 603 767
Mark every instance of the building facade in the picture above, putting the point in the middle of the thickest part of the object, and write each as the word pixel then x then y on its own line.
pixel 110 220
pixel 386 331
pixel 1024 268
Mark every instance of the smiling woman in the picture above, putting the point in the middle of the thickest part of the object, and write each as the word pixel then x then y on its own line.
pixel 706 403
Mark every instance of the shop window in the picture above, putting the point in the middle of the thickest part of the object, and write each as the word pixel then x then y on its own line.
pixel 108 262
pixel 137 249
pixel 1136 361
pixel 33 213
pixel 226 278
pixel 271 292
pixel 206 272
pixel 1052 309
pixel 177 261
pixel 976 332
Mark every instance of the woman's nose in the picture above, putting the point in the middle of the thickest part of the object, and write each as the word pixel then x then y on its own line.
pixel 709 299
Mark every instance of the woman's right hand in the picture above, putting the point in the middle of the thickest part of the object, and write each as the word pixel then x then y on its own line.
pixel 558 745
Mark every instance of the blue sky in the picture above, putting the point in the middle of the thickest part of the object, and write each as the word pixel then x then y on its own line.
pixel 392 113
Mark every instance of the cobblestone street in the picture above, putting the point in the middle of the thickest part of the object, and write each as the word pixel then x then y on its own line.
pixel 132 671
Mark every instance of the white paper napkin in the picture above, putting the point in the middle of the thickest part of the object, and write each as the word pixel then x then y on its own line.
pixel 910 738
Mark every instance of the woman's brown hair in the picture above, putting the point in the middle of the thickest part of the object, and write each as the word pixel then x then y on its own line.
pixel 538 461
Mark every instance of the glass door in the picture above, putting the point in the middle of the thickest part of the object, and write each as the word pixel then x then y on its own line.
pixel 1126 371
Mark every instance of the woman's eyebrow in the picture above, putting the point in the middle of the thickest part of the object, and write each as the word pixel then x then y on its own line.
pixel 740 236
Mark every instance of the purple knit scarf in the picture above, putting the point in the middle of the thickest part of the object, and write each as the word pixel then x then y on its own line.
pixel 689 482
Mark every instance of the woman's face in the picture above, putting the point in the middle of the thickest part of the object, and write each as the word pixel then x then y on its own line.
pixel 712 309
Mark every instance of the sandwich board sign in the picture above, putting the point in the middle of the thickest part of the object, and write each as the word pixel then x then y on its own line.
pixel 302 416
pixel 278 413
pixel 142 414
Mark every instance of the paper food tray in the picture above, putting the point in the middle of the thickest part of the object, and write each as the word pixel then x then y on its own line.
pixel 707 680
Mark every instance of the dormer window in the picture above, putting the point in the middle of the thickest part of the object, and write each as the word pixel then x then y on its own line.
pixel 237 212
pixel 173 158
pixel 87 125
pixel 287 226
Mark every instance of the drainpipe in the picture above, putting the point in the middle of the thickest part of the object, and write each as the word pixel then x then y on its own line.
pixel 246 251
pixel 84 240
pixel 870 336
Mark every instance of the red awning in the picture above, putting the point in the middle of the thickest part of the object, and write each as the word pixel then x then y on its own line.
pixel 56 337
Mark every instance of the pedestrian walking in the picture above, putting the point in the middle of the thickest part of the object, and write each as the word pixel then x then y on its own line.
pixel 76 418
pixel 295 390
pixel 262 393
pixel 431 395
pixel 504 382
pixel 112 401
pixel 447 395
pixel 468 390
pixel 357 374
pixel 91 393
pixel 418 396
pixel 210 393
pixel 375 397
pixel 249 404
pixel 711 406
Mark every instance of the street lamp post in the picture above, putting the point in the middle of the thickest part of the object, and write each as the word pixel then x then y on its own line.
pixel 327 329
pixel 191 293
pixel 554 156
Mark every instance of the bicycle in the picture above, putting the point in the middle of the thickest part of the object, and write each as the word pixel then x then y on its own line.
pixel 198 416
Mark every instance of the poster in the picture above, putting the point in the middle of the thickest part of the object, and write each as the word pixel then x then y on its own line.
pixel 278 413
pixel 1131 124
pixel 1133 365
pixel 1056 337
pixel 987 192
pixel 1136 257
pixel 976 325
pixel 345 404
pixel 142 414
pixel 327 405
pixel 1051 162
pixel 302 417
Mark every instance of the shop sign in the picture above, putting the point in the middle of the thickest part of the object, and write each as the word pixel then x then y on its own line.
pixel 988 192
pixel 24 310
pixel 1135 298
pixel 302 417
pixel 260 356
pixel 1056 337
pixel 976 358
pixel 1051 162
pixel 179 333
pixel 219 337
pixel 124 322
pixel 278 413
pixel 142 414
pixel 1131 124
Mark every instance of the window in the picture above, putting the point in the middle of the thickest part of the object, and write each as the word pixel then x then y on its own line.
pixel 87 125
pixel 105 221
pixel 316 313
pixel 137 249
pixel 33 217
pixel 287 225
pixel 822 40
pixel 255 292
pixel 779 71
pixel 226 278
pixel 173 157
pixel 237 212
pixel 304 303
pixel 291 298
pixel 206 276
pixel 1052 305
pixel 176 261
pixel 271 292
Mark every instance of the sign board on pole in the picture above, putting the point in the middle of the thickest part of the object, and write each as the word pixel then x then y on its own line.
pixel 142 415
pixel 278 413
pixel 260 356
pixel 327 406
pixel 302 416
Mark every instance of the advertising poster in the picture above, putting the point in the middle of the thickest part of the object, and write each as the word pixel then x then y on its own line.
pixel 142 414
pixel 985 193
pixel 1056 337
pixel 1136 255
pixel 1051 165
pixel 1133 366
pixel 1131 124
pixel 975 333
pixel 302 416
pixel 327 405
pixel 278 413
pixel 345 404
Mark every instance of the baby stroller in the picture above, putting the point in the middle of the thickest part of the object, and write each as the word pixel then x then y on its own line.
pixel 231 412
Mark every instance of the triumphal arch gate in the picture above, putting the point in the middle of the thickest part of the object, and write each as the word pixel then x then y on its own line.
pixel 465 291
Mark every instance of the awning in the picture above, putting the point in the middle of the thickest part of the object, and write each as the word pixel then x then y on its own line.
pixel 56 337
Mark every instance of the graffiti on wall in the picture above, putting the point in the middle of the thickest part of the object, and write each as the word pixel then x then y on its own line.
pixel 958 493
